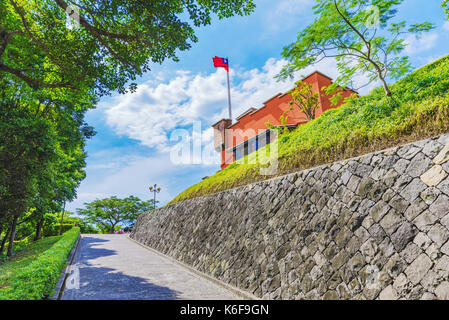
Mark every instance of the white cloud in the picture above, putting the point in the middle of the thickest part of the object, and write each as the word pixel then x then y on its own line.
pixel 122 179
pixel 151 113
pixel 420 44
pixel 446 26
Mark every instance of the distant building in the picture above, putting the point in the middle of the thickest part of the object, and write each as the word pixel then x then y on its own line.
pixel 250 132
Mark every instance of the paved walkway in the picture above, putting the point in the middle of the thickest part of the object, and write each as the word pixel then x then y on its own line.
pixel 114 267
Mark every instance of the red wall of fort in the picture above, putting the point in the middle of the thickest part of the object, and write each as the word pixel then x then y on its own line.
pixel 271 111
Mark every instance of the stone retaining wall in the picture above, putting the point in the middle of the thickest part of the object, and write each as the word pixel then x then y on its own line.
pixel 365 228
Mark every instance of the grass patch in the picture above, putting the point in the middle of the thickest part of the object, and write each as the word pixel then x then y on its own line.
pixel 32 273
pixel 418 109
pixel 23 258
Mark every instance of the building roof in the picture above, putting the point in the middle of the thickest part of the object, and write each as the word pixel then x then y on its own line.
pixel 250 110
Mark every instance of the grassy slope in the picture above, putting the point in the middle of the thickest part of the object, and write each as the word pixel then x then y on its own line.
pixel 33 273
pixel 22 259
pixel 419 109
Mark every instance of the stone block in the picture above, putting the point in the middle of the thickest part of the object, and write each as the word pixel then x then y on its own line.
pixel 430 195
pixel 425 221
pixel 438 234
pixel 331 295
pixel 401 165
pixel 422 241
pixel 415 209
pixel 378 211
pixel 413 190
pixel 442 156
pixel 391 221
pixel 445 248
pixel 418 165
pixel 442 291
pixel 404 234
pixel 377 233
pixel 430 281
pixel 402 284
pixel 432 148
pixel 428 296
pixel 440 207
pixel 389 293
pixel 433 251
pixel 408 152
pixel 434 176
pixel 442 267
pixel 418 269
pixel 411 252
pixel 395 266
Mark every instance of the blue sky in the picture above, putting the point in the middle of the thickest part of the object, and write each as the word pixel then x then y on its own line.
pixel 132 147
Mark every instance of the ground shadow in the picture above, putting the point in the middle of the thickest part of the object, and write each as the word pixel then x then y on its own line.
pixel 89 282
pixel 100 283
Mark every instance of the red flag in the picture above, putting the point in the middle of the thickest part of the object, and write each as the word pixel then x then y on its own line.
pixel 221 62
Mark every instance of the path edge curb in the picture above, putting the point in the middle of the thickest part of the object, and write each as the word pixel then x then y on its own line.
pixel 63 277
pixel 236 291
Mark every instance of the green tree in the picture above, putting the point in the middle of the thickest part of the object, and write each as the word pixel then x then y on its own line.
pixel 103 44
pixel 360 36
pixel 28 146
pixel 41 152
pixel 445 6
pixel 305 99
pixel 110 212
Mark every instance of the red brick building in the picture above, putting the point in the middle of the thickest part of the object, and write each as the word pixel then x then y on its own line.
pixel 250 132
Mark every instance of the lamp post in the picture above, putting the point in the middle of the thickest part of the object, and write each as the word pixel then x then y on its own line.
pixel 155 189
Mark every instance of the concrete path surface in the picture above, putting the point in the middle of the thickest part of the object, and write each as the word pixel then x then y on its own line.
pixel 110 266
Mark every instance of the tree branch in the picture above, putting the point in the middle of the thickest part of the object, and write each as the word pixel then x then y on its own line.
pixel 98 33
pixel 33 83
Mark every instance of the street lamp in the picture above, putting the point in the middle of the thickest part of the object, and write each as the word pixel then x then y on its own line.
pixel 155 189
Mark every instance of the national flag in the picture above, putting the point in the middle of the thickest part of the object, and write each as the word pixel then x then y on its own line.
pixel 221 62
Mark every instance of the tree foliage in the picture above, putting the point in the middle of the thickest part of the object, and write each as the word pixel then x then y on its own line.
pixel 109 212
pixel 445 6
pixel 57 57
pixel 360 35
pixel 78 44
pixel 305 99
pixel 42 154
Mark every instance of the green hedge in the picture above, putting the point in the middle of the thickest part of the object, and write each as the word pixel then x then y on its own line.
pixel 38 280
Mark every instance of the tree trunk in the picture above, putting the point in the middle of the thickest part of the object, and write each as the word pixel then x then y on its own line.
pixel 12 236
pixel 4 240
pixel 384 84
pixel 39 229
pixel 62 220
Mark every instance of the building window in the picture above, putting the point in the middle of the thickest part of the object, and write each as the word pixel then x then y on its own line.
pixel 238 154
pixel 255 144
pixel 252 146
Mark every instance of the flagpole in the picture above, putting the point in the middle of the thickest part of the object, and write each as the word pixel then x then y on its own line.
pixel 229 92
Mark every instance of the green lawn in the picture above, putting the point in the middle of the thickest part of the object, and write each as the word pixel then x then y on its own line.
pixel 33 272
pixel 419 109
pixel 22 259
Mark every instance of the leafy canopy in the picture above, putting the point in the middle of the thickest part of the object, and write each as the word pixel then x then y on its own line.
pixel 445 6
pixel 109 212
pixel 360 35
pixel 99 44
pixel 304 98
